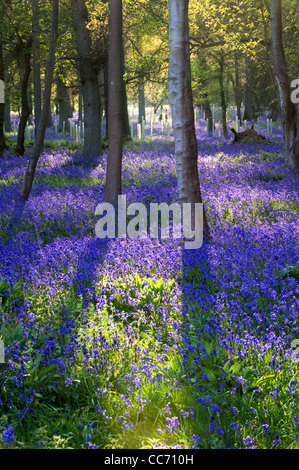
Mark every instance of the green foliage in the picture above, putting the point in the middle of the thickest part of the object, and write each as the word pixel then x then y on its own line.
pixel 290 271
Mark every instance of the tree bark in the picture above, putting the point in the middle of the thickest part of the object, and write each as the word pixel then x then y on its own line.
pixel 63 104
pixel 89 81
pixel 125 114
pixel 2 139
pixel 141 102
pixel 106 97
pixel 249 112
pixel 208 112
pixel 222 95
pixel 39 141
pixel 20 149
pixel 36 64
pixel 80 102
pixel 7 120
pixel 50 119
pixel 141 96
pixel 181 100
pixel 281 76
pixel 237 87
pixel 115 96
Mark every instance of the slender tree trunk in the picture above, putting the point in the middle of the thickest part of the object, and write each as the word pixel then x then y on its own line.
pixel 50 120
pixel 30 93
pixel 106 97
pixel 249 112
pixel 39 141
pixel 237 87
pixel 7 120
pixel 141 96
pixel 141 102
pixel 208 113
pixel 206 103
pixel 125 115
pixel 222 95
pixel 80 100
pixel 180 92
pixel 2 140
pixel 63 104
pixel 115 96
pixel 70 114
pixel 36 64
pixel 20 149
pixel 281 76
pixel 89 81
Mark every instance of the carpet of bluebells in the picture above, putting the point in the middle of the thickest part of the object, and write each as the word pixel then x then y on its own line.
pixel 140 343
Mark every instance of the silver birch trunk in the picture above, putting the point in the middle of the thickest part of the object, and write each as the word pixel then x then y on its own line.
pixel 180 93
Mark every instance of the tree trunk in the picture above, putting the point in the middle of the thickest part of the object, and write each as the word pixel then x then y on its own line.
pixel 180 92
pixel 249 112
pixel 125 115
pixel 106 96
pixel 50 119
pixel 63 104
pixel 274 111
pixel 36 64
pixel 7 120
pixel 141 97
pixel 222 95
pixel 141 102
pixel 208 113
pixel 80 102
pixel 39 141
pixel 20 149
pixel 89 81
pixel 115 97
pixel 281 76
pixel 2 140
pixel 237 87
pixel 70 111
pixel 206 102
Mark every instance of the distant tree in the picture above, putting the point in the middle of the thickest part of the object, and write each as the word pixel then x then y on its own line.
pixel 36 64
pixel 7 120
pixel 63 101
pixel 180 92
pixel 288 114
pixel 2 141
pixel 89 81
pixel 39 141
pixel 25 65
pixel 115 96
pixel 223 100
